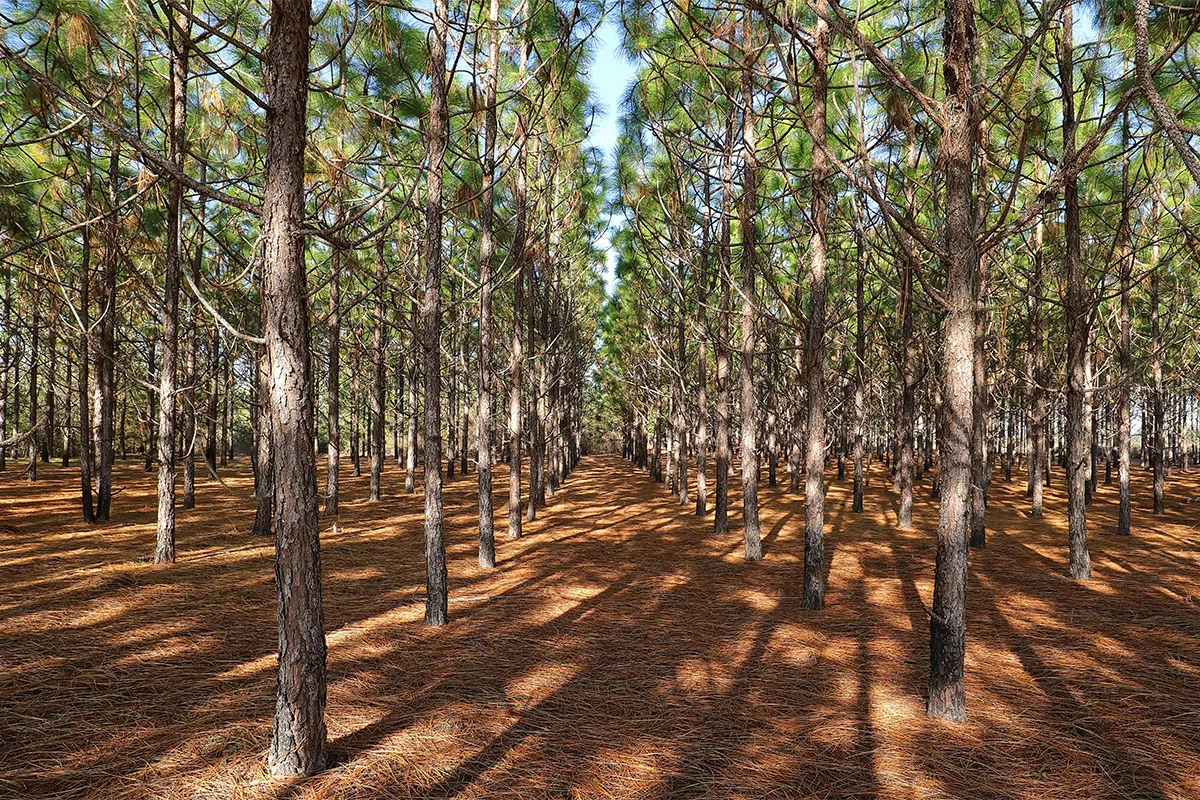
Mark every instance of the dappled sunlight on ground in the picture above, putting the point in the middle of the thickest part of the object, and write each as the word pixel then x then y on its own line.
pixel 618 650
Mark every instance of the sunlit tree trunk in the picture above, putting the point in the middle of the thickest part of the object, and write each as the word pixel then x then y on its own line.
pixel 1037 394
pixel 483 450
pixel 6 365
pixel 333 407
pixel 298 744
pixel 860 359
pixel 1157 437
pixel 260 458
pixel 169 313
pixel 814 367
pixel 749 212
pixel 1124 345
pixel 410 458
pixel 431 322
pixel 948 623
pixel 83 387
pixel 1077 325
pixel 378 350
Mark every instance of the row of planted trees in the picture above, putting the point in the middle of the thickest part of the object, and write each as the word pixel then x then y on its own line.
pixel 958 237
pixel 231 232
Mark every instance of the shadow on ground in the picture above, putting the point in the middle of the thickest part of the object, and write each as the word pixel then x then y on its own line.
pixel 619 649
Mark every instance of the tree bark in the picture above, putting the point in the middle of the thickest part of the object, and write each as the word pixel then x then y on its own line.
pixel 410 458
pixel 948 623
pixel 517 354
pixel 298 745
pixel 751 533
pixel 1124 345
pixel 724 312
pixel 169 313
pixel 260 460
pixel 378 347
pixel 333 409
pixel 1037 393
pixel 814 368
pixel 1158 435
pixel 431 321
pixel 83 387
pixel 483 449
pixel 1077 325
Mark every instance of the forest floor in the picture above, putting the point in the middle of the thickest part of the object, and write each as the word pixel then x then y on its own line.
pixel 618 650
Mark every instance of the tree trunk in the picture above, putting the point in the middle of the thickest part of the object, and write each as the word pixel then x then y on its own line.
pixel 378 345
pixel 749 206
pixel 6 365
pixel 948 622
pixel 1158 435
pixel 151 405
pixel 298 745
pixel 169 313
pixel 431 321
pixel 410 458
pixel 260 461
pixel 860 358
pixel 333 410
pixel 814 368
pixel 517 354
pixel 34 367
pixel 83 387
pixel 724 312
pixel 1037 393
pixel 1124 344
pixel 702 370
pixel 483 449
pixel 1077 325
pixel 980 471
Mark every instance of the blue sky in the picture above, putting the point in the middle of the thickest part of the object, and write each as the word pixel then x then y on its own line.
pixel 609 76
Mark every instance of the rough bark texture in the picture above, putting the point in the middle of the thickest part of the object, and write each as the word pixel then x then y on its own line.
pixel 378 349
pixel 980 471
pixel 333 451
pixel 6 365
pixel 749 210
pixel 431 325
pixel 1077 326
pixel 1157 436
pixel 1124 350
pixel 860 358
pixel 724 390
pixel 948 621
pixel 410 457
pixel 483 450
pixel 298 745
pixel 814 368
pixel 83 387
pixel 1037 394
pixel 164 551
pixel 516 365
pixel 260 460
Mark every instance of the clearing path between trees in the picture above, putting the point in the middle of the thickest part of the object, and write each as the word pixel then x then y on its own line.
pixel 618 650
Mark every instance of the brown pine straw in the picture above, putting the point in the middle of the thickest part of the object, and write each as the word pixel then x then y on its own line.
pixel 619 650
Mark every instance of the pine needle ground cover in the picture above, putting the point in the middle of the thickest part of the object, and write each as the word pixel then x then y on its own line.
pixel 619 650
